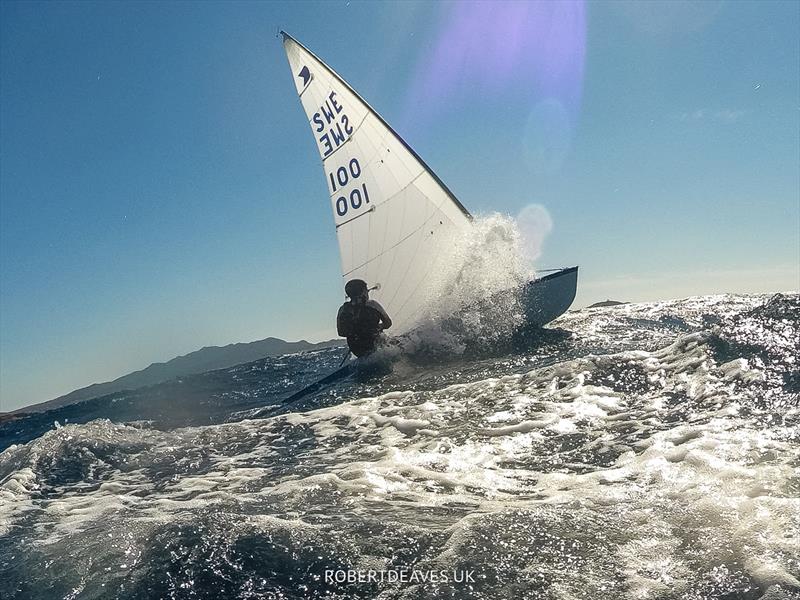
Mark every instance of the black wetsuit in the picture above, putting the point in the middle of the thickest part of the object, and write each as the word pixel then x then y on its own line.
pixel 361 324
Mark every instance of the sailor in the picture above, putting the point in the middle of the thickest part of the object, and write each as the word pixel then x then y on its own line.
pixel 361 320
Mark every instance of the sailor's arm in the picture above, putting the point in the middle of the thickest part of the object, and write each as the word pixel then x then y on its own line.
pixel 386 321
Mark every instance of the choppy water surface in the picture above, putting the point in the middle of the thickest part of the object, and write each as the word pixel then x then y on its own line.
pixel 641 451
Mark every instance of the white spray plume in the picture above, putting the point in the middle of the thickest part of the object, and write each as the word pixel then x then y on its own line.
pixel 482 263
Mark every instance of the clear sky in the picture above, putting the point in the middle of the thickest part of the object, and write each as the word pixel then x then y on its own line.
pixel 160 189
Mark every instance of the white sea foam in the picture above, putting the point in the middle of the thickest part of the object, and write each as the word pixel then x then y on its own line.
pixel 635 474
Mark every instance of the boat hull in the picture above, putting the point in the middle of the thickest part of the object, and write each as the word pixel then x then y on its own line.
pixel 549 297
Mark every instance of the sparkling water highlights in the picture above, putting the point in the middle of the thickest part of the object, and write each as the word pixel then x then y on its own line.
pixel 636 451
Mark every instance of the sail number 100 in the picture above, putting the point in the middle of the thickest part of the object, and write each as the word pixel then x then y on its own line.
pixel 357 196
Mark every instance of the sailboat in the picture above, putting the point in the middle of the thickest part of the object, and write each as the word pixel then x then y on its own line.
pixel 394 217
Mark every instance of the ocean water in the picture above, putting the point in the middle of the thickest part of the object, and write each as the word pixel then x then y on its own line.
pixel 633 452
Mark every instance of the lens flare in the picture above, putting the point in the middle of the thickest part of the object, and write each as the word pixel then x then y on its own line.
pixel 531 52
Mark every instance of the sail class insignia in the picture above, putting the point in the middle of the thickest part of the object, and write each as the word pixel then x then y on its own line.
pixel 305 74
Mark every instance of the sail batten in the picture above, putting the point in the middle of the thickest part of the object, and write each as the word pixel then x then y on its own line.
pixel 392 214
pixel 363 214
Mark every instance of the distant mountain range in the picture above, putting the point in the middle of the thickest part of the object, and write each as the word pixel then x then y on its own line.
pixel 209 358
pixel 606 303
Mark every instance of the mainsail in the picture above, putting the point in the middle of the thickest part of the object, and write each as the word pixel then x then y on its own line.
pixel 394 218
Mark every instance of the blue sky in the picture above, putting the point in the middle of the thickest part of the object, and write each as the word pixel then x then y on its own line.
pixel 160 190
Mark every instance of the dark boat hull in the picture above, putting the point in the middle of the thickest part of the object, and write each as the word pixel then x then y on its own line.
pixel 547 298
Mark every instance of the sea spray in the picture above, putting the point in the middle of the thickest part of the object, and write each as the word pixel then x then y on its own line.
pixel 474 297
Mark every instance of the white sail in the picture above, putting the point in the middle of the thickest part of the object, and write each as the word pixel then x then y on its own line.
pixel 394 217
